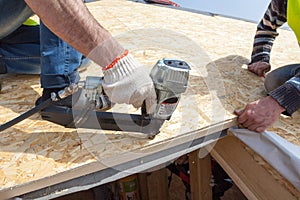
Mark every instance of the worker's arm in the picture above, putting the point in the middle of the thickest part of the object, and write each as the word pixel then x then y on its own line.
pixel 72 22
pixel 261 114
pixel 125 80
pixel 274 17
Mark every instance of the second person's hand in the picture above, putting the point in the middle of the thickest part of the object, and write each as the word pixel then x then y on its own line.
pixel 259 115
pixel 259 68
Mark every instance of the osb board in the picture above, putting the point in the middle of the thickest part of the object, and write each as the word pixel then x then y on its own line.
pixel 217 49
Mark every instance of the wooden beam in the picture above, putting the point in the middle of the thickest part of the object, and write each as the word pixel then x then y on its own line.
pixel 158 185
pixel 251 177
pixel 143 186
pixel 200 176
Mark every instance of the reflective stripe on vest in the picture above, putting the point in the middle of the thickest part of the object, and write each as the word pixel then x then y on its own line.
pixel 293 17
pixel 30 22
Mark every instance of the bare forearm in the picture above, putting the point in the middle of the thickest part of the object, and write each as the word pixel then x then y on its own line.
pixel 72 22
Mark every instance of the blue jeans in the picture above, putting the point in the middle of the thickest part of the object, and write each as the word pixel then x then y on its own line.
pixel 20 51
pixel 59 61
pixel 34 49
pixel 279 76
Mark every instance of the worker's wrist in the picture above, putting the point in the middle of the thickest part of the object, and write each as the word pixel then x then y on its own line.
pixel 287 96
pixel 275 104
pixel 262 58
pixel 116 61
pixel 123 66
pixel 106 52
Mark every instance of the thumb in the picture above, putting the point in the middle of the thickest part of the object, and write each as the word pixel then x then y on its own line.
pixel 238 112
pixel 151 102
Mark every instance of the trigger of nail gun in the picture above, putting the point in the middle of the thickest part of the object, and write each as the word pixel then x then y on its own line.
pixel 95 94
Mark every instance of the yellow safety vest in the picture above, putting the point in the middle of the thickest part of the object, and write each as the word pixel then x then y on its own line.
pixel 30 22
pixel 293 17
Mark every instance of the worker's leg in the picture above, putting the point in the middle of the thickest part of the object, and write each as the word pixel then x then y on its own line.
pixel 13 14
pixel 279 76
pixel 59 63
pixel 20 51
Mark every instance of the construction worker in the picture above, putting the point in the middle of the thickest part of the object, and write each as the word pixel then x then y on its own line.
pixel 125 80
pixel 282 84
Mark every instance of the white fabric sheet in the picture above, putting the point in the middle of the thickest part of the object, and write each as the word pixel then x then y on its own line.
pixel 279 153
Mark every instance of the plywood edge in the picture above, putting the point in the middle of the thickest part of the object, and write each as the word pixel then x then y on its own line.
pixel 116 160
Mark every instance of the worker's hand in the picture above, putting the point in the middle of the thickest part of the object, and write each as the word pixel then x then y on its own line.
pixel 259 68
pixel 127 81
pixel 259 115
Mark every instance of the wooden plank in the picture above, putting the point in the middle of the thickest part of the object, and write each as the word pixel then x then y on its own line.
pixel 107 175
pixel 250 176
pixel 158 185
pixel 143 186
pixel 161 188
pixel 200 176
pixel 136 157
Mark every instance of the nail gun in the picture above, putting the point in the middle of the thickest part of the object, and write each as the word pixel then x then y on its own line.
pixel 170 78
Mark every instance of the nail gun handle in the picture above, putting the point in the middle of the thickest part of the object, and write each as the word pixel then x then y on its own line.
pixel 144 110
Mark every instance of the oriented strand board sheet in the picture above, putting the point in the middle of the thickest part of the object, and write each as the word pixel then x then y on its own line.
pixel 217 49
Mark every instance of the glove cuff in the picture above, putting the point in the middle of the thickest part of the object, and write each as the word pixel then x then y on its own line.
pixel 121 67
pixel 111 65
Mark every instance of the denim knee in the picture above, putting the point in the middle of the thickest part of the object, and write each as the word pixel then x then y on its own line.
pixel 13 14
pixel 3 69
pixel 279 76
pixel 20 51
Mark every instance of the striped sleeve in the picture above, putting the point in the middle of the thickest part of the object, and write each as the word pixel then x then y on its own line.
pixel 288 95
pixel 274 17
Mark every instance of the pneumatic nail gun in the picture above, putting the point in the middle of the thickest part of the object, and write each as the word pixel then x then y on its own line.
pixel 91 108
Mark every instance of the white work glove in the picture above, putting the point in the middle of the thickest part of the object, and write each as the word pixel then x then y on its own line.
pixel 127 81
